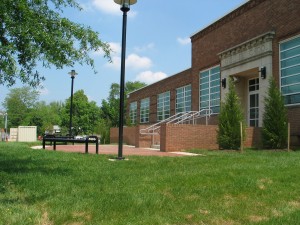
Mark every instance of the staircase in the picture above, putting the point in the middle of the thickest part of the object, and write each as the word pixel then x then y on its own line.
pixel 179 118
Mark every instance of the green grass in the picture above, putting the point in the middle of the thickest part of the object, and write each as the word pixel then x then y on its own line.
pixel 50 188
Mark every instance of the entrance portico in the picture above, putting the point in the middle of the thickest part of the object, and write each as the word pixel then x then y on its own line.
pixel 243 64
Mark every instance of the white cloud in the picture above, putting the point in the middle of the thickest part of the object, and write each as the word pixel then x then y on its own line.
pixel 115 62
pixel 150 77
pixel 107 6
pixel 115 49
pixel 137 62
pixel 133 61
pixel 110 7
pixel 144 48
pixel 184 41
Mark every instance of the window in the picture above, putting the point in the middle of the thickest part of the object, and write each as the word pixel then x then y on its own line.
pixel 290 71
pixel 209 89
pixel 133 112
pixel 183 99
pixel 145 106
pixel 253 102
pixel 163 106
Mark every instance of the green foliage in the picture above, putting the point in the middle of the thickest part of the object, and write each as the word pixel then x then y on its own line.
pixel 47 187
pixel 110 107
pixel 103 129
pixel 19 103
pixel 45 116
pixel 34 31
pixel 24 109
pixel 274 130
pixel 229 135
pixel 85 114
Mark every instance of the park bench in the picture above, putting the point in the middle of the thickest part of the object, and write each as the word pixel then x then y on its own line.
pixel 66 139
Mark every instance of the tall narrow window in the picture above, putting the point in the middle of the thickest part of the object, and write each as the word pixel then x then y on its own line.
pixel 163 106
pixel 209 89
pixel 290 71
pixel 133 112
pixel 145 107
pixel 183 99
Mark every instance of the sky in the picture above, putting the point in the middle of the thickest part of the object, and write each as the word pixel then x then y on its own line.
pixel 158 44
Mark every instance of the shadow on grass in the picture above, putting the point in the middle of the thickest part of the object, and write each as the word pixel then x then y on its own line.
pixel 30 165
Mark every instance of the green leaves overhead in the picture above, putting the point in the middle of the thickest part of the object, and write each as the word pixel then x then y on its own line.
pixel 33 31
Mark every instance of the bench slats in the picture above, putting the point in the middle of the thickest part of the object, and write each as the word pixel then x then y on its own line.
pixel 87 140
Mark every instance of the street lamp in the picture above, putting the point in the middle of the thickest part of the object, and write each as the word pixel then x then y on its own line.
pixel 5 123
pixel 72 74
pixel 125 7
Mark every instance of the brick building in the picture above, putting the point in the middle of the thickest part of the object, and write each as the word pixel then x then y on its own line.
pixel 257 40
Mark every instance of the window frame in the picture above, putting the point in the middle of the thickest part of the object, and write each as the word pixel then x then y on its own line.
pixel 184 97
pixel 133 112
pixel 281 68
pixel 209 89
pixel 165 99
pixel 145 110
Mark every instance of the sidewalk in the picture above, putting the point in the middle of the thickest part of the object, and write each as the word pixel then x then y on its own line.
pixel 113 150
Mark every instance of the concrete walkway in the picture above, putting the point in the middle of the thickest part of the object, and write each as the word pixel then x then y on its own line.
pixel 113 150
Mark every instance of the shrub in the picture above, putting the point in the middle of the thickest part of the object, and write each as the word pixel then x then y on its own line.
pixel 229 135
pixel 274 128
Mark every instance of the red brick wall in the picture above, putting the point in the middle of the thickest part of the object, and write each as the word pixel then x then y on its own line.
pixel 177 137
pixel 294 120
pixel 129 135
pixel 253 137
pixel 132 136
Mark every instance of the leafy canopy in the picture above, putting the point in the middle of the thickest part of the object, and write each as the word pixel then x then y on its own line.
pixel 34 31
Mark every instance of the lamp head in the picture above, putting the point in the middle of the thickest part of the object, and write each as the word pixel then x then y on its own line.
pixel 125 4
pixel 73 73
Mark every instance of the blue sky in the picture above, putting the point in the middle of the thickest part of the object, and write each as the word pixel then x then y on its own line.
pixel 158 43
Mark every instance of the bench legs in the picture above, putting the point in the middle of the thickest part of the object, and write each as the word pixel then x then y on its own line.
pixel 86 145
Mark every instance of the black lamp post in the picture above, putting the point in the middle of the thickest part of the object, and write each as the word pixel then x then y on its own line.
pixel 5 125
pixel 4 114
pixel 72 74
pixel 125 7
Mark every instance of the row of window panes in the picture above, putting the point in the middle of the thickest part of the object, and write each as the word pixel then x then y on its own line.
pixel 133 112
pixel 163 106
pixel 145 106
pixel 254 84
pixel 290 70
pixel 183 99
pixel 210 89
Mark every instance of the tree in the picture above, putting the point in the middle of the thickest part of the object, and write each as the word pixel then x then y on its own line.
pixel 18 103
pixel 229 135
pixel 34 31
pixel 85 114
pixel 45 116
pixel 274 128
pixel 110 107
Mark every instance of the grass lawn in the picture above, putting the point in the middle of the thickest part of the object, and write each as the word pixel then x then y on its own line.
pixel 226 188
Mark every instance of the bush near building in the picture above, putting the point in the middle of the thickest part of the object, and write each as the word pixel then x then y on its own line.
pixel 274 128
pixel 229 133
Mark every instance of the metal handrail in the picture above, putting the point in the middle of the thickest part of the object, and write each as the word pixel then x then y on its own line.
pixel 176 119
